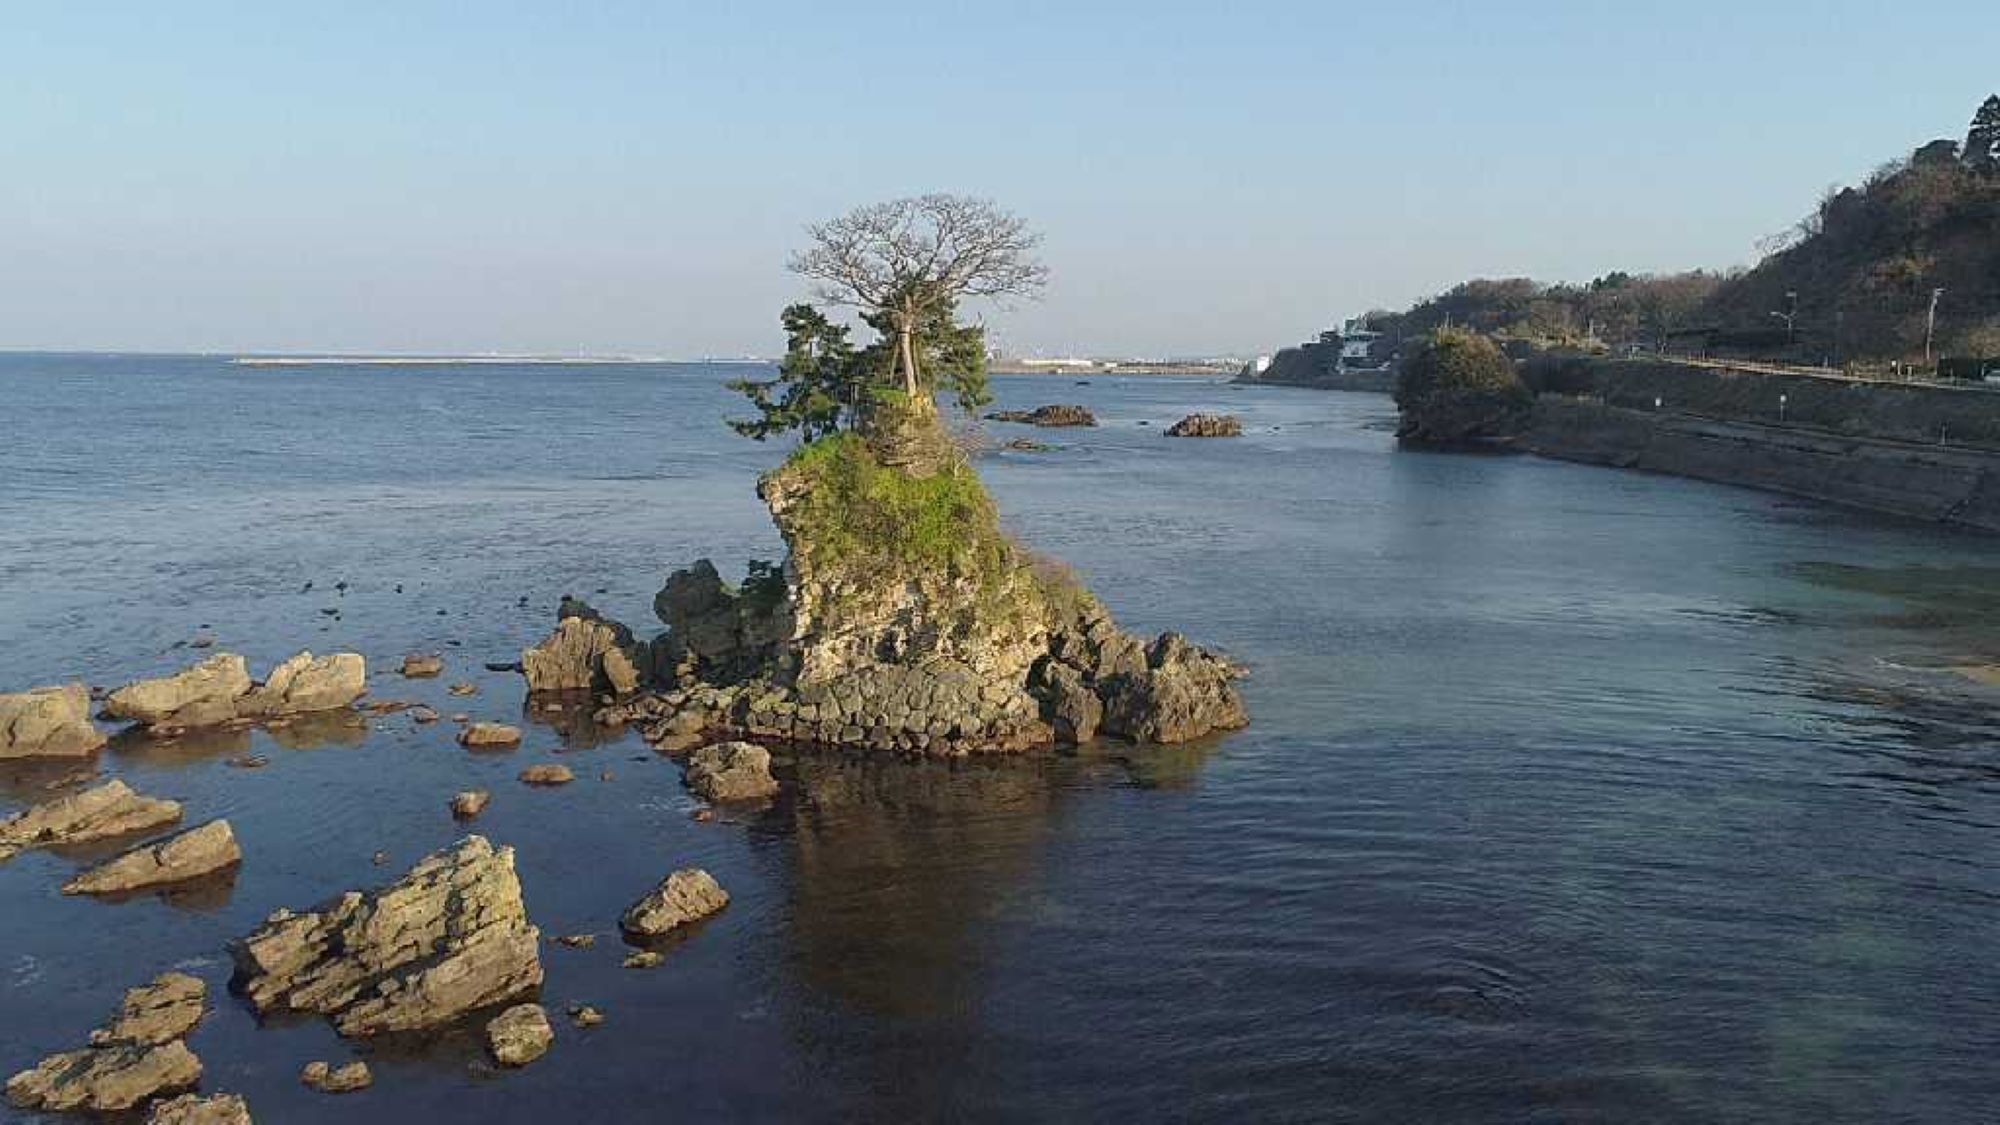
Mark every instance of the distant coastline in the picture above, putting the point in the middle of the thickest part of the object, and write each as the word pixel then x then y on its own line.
pixel 462 360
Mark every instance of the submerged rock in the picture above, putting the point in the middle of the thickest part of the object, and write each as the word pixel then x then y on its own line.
pixel 97 813
pixel 305 684
pixel 192 854
pixel 1207 425
pixel 137 1056
pixel 1052 415
pixel 732 771
pixel 519 1035
pixel 449 937
pixel 330 1079
pixel 688 895
pixel 202 696
pixel 193 1109
pixel 47 721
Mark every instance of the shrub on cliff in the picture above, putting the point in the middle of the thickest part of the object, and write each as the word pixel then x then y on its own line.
pixel 1457 387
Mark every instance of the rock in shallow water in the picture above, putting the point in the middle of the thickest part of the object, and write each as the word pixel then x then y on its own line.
pixel 47 721
pixel 688 895
pixel 137 1056
pixel 423 665
pixel 449 937
pixel 732 771
pixel 330 1079
pixel 203 695
pixel 519 1035
pixel 546 775
pixel 97 813
pixel 305 684
pixel 193 1109
pixel 470 803
pixel 489 736
pixel 188 855
pixel 160 1012
pixel 1207 425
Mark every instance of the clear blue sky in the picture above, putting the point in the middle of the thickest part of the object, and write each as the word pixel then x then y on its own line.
pixel 630 177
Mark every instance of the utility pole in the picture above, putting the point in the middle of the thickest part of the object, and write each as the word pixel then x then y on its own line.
pixel 1930 324
pixel 1791 318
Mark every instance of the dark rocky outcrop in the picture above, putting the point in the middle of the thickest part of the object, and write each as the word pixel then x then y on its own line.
pixel 1060 414
pixel 1207 425
pixel 137 1056
pixel 47 721
pixel 193 854
pixel 450 937
pixel 98 813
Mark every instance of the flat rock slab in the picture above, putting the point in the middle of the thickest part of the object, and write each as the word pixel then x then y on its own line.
pixel 138 1055
pixel 193 1109
pixel 189 855
pixel 449 937
pixel 105 1079
pixel 519 1035
pixel 157 1013
pixel 98 813
pixel 548 775
pixel 47 721
pixel 688 895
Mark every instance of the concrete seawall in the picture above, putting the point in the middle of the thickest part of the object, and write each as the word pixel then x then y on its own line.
pixel 1947 485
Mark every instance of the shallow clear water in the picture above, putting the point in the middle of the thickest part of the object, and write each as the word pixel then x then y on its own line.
pixel 1571 794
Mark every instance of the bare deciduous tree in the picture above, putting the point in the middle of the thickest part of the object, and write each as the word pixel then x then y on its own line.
pixel 907 257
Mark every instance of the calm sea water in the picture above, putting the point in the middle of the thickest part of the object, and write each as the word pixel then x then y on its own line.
pixel 1571 794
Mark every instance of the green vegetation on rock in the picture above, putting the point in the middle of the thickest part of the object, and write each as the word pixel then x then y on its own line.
pixel 854 513
pixel 1458 387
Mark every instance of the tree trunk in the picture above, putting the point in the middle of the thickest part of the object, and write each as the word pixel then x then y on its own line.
pixel 906 351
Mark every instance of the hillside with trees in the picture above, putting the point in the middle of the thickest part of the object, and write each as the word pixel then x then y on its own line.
pixel 1851 283
pixel 1856 277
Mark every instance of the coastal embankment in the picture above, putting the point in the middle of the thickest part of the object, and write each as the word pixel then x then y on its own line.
pixel 1924 450
pixel 1940 483
pixel 1315 365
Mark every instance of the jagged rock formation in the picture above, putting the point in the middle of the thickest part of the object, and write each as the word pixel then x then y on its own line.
pixel 202 696
pixel 449 937
pixel 585 653
pixel 1207 425
pixel 305 684
pixel 904 619
pixel 193 1109
pixel 137 1056
pixel 47 721
pixel 1052 415
pixel 219 690
pixel 686 896
pixel 193 854
pixel 98 813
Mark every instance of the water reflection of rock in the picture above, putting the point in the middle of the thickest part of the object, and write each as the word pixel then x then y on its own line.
pixel 901 869
pixel 305 732
pixel 568 714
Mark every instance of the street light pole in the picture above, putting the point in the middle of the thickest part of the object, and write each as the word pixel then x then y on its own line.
pixel 1930 324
